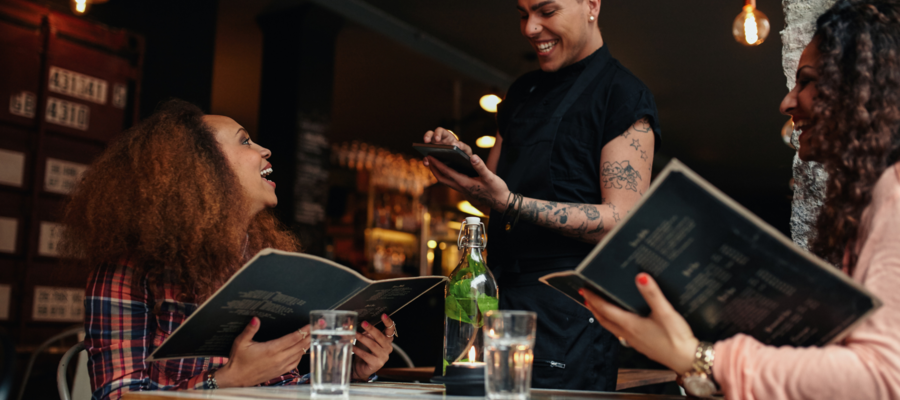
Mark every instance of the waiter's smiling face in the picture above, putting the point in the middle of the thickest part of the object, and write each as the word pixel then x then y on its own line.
pixel 560 31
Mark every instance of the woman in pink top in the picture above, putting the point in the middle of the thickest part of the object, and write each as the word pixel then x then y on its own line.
pixel 847 105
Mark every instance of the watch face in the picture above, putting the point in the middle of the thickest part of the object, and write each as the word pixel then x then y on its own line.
pixel 699 386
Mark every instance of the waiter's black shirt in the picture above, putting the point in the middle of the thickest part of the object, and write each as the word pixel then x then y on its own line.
pixel 613 101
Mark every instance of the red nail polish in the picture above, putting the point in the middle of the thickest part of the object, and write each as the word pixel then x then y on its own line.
pixel 365 324
pixel 254 321
pixel 384 315
pixel 581 292
pixel 642 279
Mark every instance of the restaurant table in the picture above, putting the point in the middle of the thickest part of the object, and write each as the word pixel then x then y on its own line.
pixel 628 378
pixel 376 391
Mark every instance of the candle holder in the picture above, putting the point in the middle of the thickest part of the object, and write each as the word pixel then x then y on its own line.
pixel 463 379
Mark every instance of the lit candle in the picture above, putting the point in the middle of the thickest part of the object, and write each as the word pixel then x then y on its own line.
pixel 465 378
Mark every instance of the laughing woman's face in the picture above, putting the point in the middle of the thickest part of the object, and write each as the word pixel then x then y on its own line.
pixel 799 101
pixel 248 160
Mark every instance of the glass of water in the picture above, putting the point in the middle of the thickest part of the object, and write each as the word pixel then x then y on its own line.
pixel 333 333
pixel 508 353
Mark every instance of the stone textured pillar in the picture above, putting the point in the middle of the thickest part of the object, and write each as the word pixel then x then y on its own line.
pixel 809 177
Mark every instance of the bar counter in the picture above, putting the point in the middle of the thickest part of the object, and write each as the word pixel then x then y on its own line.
pixel 377 391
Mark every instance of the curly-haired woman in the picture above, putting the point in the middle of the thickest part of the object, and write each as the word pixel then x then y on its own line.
pixel 847 105
pixel 163 218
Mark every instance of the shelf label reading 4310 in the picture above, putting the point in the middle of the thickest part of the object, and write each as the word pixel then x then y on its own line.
pixel 67 113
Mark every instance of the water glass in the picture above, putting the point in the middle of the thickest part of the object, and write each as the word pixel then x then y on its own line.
pixel 508 353
pixel 330 351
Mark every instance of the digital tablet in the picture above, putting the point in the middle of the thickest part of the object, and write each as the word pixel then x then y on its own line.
pixel 451 156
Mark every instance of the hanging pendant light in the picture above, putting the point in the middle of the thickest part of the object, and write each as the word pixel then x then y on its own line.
pixel 751 27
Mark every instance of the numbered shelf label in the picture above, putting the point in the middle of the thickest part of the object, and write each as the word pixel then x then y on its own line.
pixel 77 85
pixel 23 104
pixel 49 239
pixel 58 304
pixel 67 113
pixel 61 176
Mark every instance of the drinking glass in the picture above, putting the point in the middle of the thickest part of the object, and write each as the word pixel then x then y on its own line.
pixel 508 353
pixel 330 351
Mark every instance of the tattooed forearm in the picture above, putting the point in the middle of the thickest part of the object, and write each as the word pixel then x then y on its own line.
pixel 644 155
pixel 620 175
pixel 580 221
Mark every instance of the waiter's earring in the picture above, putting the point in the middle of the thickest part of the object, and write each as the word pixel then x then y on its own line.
pixel 592 18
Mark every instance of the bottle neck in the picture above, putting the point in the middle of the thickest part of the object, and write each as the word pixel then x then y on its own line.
pixel 474 252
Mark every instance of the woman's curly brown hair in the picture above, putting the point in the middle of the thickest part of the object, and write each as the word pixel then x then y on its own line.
pixel 857 115
pixel 164 199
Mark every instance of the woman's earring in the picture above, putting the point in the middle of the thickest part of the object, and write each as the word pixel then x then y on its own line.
pixel 592 18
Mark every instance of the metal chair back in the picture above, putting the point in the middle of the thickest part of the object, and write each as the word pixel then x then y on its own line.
pixel 62 381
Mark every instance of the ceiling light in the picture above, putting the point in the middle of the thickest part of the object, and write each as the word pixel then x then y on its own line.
pixel 486 142
pixel 80 6
pixel 751 27
pixel 489 102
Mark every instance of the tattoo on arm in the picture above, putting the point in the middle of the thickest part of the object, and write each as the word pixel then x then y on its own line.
pixel 563 217
pixel 644 155
pixel 619 175
pixel 616 216
pixel 481 195
pixel 635 143
pixel 642 125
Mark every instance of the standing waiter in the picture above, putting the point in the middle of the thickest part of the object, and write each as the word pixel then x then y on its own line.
pixel 573 155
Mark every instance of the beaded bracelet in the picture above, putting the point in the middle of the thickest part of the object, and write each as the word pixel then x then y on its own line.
pixel 211 380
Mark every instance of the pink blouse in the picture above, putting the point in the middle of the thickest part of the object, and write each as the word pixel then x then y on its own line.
pixel 866 364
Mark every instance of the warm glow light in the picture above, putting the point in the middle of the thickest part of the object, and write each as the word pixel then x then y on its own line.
pixel 486 142
pixel 751 27
pixel 453 225
pixel 432 244
pixel 443 246
pixel 489 102
pixel 430 255
pixel 472 354
pixel 79 6
pixel 751 34
pixel 468 208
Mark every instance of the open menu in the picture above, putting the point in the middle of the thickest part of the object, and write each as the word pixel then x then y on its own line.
pixel 281 288
pixel 724 269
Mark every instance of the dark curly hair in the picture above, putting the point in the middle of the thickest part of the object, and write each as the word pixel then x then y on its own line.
pixel 164 199
pixel 857 114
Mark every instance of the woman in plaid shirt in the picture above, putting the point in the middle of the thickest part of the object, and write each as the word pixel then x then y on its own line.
pixel 163 218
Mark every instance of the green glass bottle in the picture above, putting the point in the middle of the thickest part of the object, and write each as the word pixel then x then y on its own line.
pixel 472 291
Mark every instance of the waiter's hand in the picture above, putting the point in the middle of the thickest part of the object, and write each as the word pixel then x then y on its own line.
pixel 445 136
pixel 486 189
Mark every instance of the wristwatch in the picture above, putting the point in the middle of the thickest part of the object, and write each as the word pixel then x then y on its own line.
pixel 699 382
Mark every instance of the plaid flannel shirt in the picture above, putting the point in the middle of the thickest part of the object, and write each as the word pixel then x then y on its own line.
pixel 122 329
